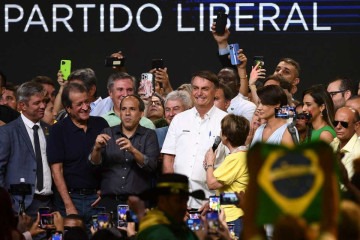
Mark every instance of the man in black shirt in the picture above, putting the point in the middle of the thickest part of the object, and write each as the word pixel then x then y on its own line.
pixel 69 145
pixel 128 154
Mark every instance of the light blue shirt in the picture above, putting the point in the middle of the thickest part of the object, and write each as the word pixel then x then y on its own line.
pixel 101 106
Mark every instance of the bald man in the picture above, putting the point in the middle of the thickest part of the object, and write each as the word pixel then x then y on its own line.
pixel 346 141
pixel 354 102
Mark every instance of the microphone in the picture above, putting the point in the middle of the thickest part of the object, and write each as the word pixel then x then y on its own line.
pixel 216 143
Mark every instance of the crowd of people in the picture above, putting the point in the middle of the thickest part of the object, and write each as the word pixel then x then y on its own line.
pixel 163 156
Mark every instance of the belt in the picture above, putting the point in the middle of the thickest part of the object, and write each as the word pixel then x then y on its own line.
pixel 83 191
pixel 117 197
pixel 42 198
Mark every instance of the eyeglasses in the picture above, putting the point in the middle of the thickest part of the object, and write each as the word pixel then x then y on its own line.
pixel 343 124
pixel 332 94
pixel 156 103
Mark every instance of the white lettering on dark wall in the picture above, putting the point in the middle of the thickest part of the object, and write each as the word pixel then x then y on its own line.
pixel 108 17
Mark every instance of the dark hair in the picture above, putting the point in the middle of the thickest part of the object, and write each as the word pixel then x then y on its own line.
pixel 208 75
pixel 2 79
pixel 272 95
pixel 71 87
pixel 7 219
pixel 119 76
pixel 86 75
pixel 294 63
pixel 43 80
pixel 282 82
pixel 228 93
pixel 235 128
pixel 76 233
pixel 321 96
pixel 28 89
pixel 141 102
pixel 230 78
pixel 345 85
pixel 11 87
pixel 107 234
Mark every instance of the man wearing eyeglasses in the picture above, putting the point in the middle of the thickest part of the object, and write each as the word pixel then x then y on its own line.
pixel 340 90
pixel 346 141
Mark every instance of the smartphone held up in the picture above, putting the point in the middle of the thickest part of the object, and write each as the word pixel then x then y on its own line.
pixel 221 21
pixel 147 85
pixel 65 68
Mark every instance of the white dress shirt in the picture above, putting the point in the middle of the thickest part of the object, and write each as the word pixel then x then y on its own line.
pixel 188 138
pixel 46 170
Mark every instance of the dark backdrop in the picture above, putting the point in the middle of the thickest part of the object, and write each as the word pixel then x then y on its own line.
pixel 37 50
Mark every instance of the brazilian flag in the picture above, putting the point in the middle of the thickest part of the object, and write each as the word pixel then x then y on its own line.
pixel 299 181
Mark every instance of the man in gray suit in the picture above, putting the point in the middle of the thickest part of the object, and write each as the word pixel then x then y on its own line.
pixel 23 149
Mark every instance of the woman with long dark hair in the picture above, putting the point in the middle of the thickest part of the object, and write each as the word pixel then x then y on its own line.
pixel 318 103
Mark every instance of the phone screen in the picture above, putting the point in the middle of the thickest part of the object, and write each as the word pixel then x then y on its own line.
pixel 213 222
pixel 260 60
pixel 122 209
pixel 103 220
pixel 46 218
pixel 214 203
pixel 194 220
pixel 56 236
pixel 94 222
pixel 228 198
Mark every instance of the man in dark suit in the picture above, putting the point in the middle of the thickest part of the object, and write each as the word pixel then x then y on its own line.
pixel 23 149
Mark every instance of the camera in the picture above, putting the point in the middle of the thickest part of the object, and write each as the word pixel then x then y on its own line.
pixel 20 189
pixel 285 112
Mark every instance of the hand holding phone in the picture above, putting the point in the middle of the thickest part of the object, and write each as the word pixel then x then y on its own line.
pixel 46 218
pixel 114 62
pixel 157 63
pixel 212 219
pixel 259 60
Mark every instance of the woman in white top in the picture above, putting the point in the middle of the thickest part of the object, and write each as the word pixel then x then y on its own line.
pixel 275 129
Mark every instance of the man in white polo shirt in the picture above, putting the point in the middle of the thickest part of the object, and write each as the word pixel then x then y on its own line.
pixel 192 133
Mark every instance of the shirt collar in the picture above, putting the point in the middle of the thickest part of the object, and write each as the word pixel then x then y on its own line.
pixel 75 128
pixel 207 115
pixel 28 122
pixel 139 130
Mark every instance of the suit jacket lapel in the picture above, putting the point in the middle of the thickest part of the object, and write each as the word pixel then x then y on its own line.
pixel 23 132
